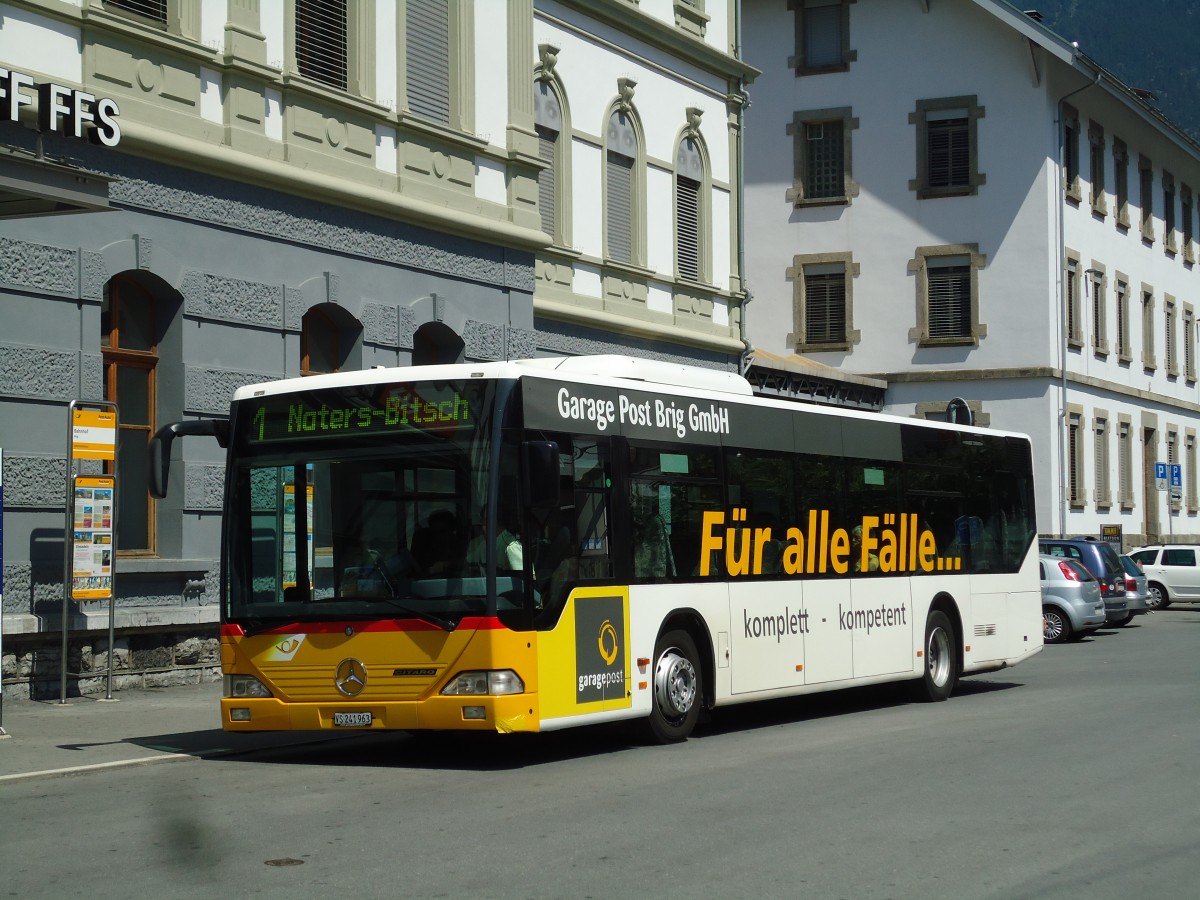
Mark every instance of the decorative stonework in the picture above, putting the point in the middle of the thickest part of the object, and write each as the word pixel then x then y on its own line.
pixel 204 487
pixel 408 328
pixel 49 270
pixel 35 482
pixel 381 324
pixel 36 372
pixel 483 340
pixel 232 300
pixel 210 390
pixel 93 275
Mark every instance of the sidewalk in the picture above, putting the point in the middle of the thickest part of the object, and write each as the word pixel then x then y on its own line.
pixel 138 727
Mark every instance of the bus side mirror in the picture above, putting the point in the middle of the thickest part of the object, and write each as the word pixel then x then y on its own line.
pixel 539 474
pixel 160 448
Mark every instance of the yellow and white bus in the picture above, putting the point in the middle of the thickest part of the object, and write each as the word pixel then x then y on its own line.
pixel 533 545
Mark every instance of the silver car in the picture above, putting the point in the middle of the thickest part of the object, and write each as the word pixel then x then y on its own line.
pixel 1137 590
pixel 1071 601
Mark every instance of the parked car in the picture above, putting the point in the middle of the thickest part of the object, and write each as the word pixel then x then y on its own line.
pixel 1071 601
pixel 1099 558
pixel 1137 590
pixel 1172 572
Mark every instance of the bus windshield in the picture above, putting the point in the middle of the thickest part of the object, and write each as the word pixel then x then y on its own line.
pixel 363 501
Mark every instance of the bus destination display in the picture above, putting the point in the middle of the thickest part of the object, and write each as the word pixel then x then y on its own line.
pixel 362 411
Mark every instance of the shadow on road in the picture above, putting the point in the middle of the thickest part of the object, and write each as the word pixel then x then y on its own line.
pixel 486 751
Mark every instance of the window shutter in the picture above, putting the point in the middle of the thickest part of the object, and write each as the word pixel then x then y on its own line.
pixel 825 307
pixel 687 227
pixel 948 149
pixel 427 54
pixel 620 206
pixel 950 301
pixel 822 33
pixel 321 41
pixel 547 195
pixel 151 9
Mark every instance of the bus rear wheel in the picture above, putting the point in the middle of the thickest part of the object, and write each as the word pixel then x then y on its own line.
pixel 941 659
pixel 677 688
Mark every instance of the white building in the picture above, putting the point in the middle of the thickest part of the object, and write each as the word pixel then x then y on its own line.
pixel 952 198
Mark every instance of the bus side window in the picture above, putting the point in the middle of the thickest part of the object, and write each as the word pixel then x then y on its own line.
pixel 671 487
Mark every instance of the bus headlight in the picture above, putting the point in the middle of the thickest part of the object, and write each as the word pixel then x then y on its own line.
pixel 494 683
pixel 245 686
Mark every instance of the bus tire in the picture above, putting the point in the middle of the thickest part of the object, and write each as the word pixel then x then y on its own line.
pixel 677 688
pixel 941 659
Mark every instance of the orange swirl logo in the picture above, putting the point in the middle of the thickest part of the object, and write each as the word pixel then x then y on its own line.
pixel 607 642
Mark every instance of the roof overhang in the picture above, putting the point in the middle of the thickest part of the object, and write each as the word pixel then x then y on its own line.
pixel 30 186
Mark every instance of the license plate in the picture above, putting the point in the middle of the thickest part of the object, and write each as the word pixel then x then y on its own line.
pixel 351 719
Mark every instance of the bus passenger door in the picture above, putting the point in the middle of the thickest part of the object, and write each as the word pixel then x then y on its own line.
pixel 768 640
pixel 880 618
pixel 830 646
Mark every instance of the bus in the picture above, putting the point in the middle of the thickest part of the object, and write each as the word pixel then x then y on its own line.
pixel 532 545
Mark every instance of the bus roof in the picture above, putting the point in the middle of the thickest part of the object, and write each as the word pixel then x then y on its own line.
pixel 604 369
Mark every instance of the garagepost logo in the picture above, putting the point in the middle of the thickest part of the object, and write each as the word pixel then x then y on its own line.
pixel 599 649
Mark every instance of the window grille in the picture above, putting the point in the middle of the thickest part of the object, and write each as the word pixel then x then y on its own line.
pixel 321 41
pixel 151 9
pixel 825 175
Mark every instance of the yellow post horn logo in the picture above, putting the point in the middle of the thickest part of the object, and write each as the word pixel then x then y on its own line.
pixel 608 634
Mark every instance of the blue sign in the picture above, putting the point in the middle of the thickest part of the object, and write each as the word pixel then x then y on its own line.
pixel 1160 470
pixel 1176 475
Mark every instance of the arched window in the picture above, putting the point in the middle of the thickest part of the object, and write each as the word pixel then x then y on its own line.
pixel 689 179
pixel 129 342
pixel 548 122
pixel 329 340
pixel 620 188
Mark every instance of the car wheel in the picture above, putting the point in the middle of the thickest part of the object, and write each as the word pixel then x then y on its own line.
pixel 1056 626
pixel 1159 598
pixel 677 688
pixel 941 660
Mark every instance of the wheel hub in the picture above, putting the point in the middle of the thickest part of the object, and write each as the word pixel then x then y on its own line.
pixel 674 684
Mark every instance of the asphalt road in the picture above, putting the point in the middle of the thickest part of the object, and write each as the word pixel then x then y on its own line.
pixel 1072 775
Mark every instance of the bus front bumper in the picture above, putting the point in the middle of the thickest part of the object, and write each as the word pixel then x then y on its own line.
pixel 511 713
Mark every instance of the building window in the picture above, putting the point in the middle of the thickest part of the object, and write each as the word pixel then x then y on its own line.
pixel 1187 220
pixel 1121 182
pixel 1124 347
pixel 690 211
pixel 1100 435
pixel 1189 342
pixel 1125 463
pixel 1149 363
pixel 129 342
pixel 621 232
pixel 427 75
pixel 1076 492
pixel 1172 354
pixel 947 295
pixel 1074 311
pixel 1098 287
pixel 155 10
pixel 1096 156
pixel 321 41
pixel 822 36
pixel 330 340
pixel 1071 180
pixel 691 17
pixel 548 122
pixel 1169 244
pixel 1146 197
pixel 822 307
pixel 947 147
pixel 821 157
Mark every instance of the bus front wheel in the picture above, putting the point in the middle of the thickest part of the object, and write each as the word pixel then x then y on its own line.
pixel 677 691
pixel 941 659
